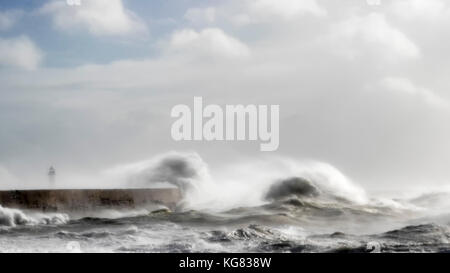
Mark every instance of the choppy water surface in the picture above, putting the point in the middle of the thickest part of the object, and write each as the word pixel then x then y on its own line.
pixel 313 208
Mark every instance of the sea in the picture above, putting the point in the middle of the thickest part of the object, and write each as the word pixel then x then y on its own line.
pixel 264 205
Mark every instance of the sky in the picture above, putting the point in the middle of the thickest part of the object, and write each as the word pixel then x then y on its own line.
pixel 361 84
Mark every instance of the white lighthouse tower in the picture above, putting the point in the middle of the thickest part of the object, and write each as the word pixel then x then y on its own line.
pixel 51 175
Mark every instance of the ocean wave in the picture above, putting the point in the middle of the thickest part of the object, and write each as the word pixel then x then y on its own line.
pixel 241 184
pixel 295 186
pixel 270 205
pixel 425 233
pixel 10 217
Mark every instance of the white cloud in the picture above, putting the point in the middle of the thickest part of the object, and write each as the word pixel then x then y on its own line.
pixel 240 19
pixel 292 64
pixel 19 52
pixel 373 33
pixel 420 9
pixel 405 86
pixel 285 8
pixel 201 16
pixel 245 12
pixel 99 17
pixel 209 41
pixel 8 19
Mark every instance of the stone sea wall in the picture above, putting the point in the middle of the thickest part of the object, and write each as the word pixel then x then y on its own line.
pixel 88 199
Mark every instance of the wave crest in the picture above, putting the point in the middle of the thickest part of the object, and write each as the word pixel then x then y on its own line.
pixel 295 186
pixel 13 217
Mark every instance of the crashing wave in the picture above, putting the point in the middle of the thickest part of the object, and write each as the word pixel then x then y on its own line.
pixel 292 187
pixel 13 217
pixel 241 184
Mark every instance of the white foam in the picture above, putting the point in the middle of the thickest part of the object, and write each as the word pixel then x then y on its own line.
pixel 13 217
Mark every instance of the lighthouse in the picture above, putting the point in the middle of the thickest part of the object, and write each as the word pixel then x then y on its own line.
pixel 51 175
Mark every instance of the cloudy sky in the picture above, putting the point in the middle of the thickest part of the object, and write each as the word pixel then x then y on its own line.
pixel 361 86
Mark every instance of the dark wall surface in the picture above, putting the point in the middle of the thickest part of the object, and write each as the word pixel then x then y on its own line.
pixel 87 199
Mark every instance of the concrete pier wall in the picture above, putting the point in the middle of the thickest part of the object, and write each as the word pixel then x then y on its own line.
pixel 88 199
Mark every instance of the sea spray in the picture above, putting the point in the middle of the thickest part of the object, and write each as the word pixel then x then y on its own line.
pixel 241 184
pixel 11 217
